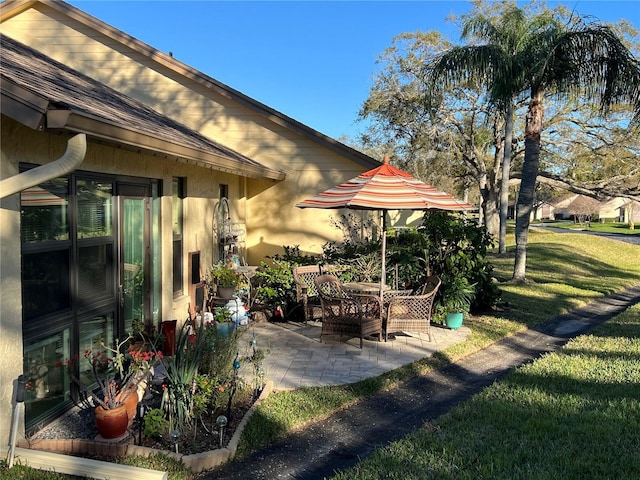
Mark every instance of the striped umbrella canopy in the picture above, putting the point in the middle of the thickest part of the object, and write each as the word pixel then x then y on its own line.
pixel 385 188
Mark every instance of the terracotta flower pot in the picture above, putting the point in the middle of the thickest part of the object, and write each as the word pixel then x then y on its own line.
pixel 112 423
pixel 130 403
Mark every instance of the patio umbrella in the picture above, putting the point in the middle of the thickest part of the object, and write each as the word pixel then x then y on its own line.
pixel 385 188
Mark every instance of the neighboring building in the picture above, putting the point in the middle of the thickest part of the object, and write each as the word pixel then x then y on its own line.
pixel 122 228
pixel 561 205
pixel 543 210
pixel 616 209
pixel 620 209
pixel 629 212
pixel 610 210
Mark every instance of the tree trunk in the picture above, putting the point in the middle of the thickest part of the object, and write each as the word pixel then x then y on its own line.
pixel 488 214
pixel 504 185
pixel 526 197
pixel 491 217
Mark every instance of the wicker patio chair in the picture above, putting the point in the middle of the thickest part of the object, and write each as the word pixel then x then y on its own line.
pixel 412 313
pixel 306 293
pixel 346 316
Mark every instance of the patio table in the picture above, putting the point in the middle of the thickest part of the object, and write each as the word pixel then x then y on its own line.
pixel 367 294
pixel 364 288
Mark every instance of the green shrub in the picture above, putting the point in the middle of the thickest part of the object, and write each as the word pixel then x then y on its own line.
pixel 458 248
pixel 276 286
pixel 155 425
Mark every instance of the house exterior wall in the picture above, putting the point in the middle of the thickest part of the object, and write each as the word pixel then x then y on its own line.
pixel 610 210
pixel 10 290
pixel 168 87
pixel 630 212
pixel 21 144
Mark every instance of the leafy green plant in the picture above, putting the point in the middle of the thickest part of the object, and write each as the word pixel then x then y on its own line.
pixel 457 295
pixel 217 352
pixel 458 250
pixel 276 287
pixel 224 276
pixel 204 392
pixel 407 258
pixel 155 425
pixel 117 374
pixel 222 314
pixel 181 368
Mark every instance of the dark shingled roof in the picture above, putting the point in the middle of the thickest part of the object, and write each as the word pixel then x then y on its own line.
pixel 66 89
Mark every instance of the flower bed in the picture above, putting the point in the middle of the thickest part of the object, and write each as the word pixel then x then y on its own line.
pixel 74 434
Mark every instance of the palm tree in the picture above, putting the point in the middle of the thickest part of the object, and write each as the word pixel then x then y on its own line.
pixel 542 57
pixel 506 39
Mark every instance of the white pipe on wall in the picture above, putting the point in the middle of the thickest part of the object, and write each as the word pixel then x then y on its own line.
pixel 72 158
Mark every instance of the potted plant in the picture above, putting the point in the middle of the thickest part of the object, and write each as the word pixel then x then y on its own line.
pixel 223 320
pixel 457 296
pixel 144 335
pixel 225 278
pixel 119 376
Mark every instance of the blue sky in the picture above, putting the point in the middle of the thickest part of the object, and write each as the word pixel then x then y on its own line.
pixel 311 60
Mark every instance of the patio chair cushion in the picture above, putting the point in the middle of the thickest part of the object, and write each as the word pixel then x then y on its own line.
pixel 346 316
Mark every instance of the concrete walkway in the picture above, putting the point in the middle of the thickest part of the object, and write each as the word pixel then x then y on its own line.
pixel 297 358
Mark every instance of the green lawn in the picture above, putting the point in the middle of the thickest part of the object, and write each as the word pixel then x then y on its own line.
pixel 574 414
pixel 616 227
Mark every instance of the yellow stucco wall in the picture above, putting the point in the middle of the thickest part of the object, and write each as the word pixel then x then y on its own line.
pixel 10 293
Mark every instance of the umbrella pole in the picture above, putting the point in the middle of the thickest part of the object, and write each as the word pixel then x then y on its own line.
pixel 383 276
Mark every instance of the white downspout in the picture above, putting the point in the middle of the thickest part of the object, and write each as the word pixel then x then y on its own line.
pixel 72 158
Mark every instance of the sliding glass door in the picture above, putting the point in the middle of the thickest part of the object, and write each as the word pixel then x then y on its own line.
pixel 134 262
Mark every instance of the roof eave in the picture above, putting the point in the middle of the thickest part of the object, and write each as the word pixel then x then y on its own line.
pixel 22 105
pixel 114 134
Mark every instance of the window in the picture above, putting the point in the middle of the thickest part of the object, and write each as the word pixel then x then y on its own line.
pixel 95 271
pixel 177 209
pixel 95 251
pixel 95 208
pixel 49 261
pixel 44 229
pixel 70 264
pixel 95 335
pixel 44 212
pixel 45 285
pixel 47 379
